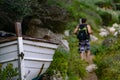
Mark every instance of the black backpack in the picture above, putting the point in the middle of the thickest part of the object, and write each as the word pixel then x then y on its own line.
pixel 83 32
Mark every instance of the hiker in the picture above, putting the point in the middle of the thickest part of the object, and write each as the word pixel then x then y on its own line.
pixel 83 31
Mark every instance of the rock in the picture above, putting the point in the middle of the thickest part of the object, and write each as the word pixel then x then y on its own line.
pixel 65 44
pixel 49 35
pixel 66 33
pixel 103 34
pixel 103 30
pixel 93 38
pixel 116 33
pixel 57 75
pixel 91 68
pixel 111 30
pixel 44 33
pixel 115 25
pixel 35 30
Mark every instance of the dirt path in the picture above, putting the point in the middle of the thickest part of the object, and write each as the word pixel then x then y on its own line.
pixel 91 75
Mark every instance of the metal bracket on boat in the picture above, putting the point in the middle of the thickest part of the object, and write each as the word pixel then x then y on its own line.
pixel 21 55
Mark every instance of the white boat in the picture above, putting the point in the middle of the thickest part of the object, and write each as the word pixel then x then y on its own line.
pixel 31 56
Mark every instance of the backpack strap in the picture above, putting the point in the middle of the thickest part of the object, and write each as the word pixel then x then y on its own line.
pixel 83 27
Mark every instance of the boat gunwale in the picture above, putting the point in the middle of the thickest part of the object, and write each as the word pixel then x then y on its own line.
pixel 8 39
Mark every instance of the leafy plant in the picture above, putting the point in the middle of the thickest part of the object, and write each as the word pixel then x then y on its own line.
pixel 98 48
pixel 16 9
pixel 108 67
pixel 108 64
pixel 8 72
pixel 76 69
pixel 60 63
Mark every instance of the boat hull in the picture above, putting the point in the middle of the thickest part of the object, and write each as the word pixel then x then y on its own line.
pixel 32 58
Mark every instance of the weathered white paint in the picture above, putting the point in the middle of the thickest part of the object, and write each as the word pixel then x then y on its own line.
pixel 21 60
pixel 40 44
pixel 36 53
pixel 8 52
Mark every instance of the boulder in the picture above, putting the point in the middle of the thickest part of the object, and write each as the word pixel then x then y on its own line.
pixel 66 33
pixel 111 30
pixel 115 25
pixel 91 68
pixel 103 32
pixel 93 38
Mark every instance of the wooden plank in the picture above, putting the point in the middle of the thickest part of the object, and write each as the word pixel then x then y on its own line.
pixel 37 59
pixel 8 60
pixel 18 29
pixel 29 48
pixel 38 55
pixel 40 44
pixel 3 45
pixel 7 39
pixel 40 40
pixel 6 49
pixel 10 55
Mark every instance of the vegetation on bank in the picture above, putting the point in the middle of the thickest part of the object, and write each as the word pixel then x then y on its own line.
pixel 59 64
pixel 106 56
pixel 107 60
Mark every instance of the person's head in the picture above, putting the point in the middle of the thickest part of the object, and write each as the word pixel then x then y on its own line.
pixel 83 20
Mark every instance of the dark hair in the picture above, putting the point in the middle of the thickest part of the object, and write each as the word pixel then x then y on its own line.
pixel 83 20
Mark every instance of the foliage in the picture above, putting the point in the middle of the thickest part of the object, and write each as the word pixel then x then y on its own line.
pixel 118 6
pixel 58 15
pixel 60 63
pixel 61 3
pixel 108 63
pixel 108 67
pixel 103 8
pixel 108 16
pixel 12 11
pixel 8 72
pixel 98 48
pixel 55 14
pixel 52 16
pixel 79 9
pixel 15 8
pixel 106 4
pixel 116 1
pixel 68 63
pixel 105 18
pixel 76 67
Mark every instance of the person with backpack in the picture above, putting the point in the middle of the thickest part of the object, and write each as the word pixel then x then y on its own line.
pixel 83 31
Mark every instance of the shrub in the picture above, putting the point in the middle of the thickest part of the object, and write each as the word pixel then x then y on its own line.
pixel 108 67
pixel 76 68
pixel 98 49
pixel 106 18
pixel 8 72
pixel 108 63
pixel 60 63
